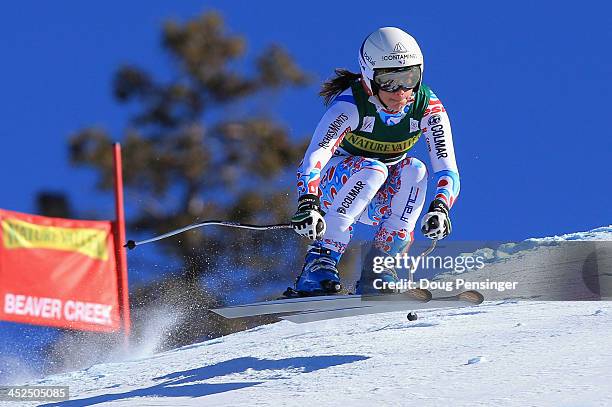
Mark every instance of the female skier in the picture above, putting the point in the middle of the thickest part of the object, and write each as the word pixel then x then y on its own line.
pixel 356 168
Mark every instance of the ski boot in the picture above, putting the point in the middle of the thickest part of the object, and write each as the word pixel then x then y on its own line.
pixel 365 285
pixel 319 275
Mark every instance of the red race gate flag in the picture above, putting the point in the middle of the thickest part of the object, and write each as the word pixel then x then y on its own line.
pixel 58 272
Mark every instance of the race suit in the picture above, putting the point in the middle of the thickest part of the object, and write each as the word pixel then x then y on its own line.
pixel 357 164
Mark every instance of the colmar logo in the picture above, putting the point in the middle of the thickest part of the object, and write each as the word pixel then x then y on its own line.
pixel 439 141
pixel 433 120
pixel 351 196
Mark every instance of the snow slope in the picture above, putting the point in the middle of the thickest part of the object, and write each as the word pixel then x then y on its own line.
pixel 502 353
pixel 504 251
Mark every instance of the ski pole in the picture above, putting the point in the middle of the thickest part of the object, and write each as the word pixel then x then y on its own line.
pixel 425 253
pixel 430 249
pixel 132 244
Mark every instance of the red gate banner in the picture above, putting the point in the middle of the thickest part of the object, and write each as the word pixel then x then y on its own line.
pixel 58 272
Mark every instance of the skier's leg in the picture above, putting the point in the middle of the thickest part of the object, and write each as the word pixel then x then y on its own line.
pixel 346 190
pixel 408 187
pixel 395 210
pixel 347 186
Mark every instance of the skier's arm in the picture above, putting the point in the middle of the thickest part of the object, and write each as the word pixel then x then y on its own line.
pixel 338 120
pixel 436 127
pixel 438 135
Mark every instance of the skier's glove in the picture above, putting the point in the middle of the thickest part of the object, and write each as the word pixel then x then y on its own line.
pixel 436 224
pixel 308 220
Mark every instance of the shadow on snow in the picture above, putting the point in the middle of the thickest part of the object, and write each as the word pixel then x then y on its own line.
pixel 184 383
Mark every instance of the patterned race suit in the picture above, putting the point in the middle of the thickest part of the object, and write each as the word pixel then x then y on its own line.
pixel 357 164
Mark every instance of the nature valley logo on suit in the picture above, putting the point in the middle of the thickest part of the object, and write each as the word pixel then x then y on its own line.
pixel 373 146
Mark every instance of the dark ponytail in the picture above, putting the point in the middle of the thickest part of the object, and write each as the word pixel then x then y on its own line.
pixel 336 85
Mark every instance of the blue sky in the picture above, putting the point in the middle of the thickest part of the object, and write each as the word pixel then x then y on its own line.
pixel 526 84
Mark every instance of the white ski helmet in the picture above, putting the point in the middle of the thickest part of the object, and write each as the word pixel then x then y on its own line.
pixel 388 47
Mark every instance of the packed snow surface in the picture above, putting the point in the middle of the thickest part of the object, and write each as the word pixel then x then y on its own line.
pixel 500 353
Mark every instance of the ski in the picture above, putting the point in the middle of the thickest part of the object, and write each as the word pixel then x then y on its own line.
pixel 322 303
pixel 472 297
pixel 463 299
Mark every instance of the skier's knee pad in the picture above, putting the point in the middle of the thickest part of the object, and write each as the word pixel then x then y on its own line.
pixel 412 170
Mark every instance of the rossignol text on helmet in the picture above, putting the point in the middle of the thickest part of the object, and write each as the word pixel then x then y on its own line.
pixel 389 48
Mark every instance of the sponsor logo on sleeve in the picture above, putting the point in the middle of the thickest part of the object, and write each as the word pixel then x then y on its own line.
pixel 332 130
pixel 414 125
pixel 435 119
pixel 439 142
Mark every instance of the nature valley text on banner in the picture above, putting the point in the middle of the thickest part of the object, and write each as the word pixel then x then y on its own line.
pixel 18 234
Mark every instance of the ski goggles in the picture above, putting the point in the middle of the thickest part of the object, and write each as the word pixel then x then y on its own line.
pixel 392 80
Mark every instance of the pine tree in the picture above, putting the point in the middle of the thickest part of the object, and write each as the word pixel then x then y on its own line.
pixel 188 155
